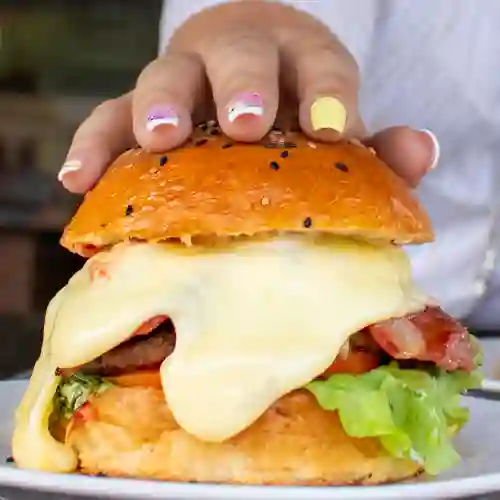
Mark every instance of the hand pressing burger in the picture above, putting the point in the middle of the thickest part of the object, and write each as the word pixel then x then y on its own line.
pixel 248 65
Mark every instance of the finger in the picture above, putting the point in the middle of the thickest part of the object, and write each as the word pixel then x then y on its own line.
pixel 327 83
pixel 410 153
pixel 166 94
pixel 102 137
pixel 243 69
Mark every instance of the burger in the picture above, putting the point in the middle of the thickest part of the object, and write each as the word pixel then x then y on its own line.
pixel 247 315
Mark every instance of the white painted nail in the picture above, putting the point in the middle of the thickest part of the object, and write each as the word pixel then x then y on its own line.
pixel 69 166
pixel 246 103
pixel 437 148
pixel 162 116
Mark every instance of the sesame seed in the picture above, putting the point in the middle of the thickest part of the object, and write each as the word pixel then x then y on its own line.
pixel 200 142
pixel 307 222
pixel 57 372
pixel 265 201
pixel 163 160
pixel 274 165
pixel 284 154
pixel 10 460
pixel 312 145
pixel 341 166
pixel 203 126
pixel 129 210
pixel 215 131
pixel 227 145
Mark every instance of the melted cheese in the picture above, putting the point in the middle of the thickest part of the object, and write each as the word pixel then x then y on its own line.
pixel 254 320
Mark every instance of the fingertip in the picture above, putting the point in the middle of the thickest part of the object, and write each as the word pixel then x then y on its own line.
pixel 83 168
pixel 161 117
pixel 328 113
pixel 328 118
pixel 410 153
pixel 70 166
pixel 435 147
pixel 248 116
pixel 162 127
pixel 72 179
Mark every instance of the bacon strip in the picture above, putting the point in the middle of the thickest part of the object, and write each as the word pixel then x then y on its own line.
pixel 429 335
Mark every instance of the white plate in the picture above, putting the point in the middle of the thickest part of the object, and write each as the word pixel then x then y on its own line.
pixel 479 472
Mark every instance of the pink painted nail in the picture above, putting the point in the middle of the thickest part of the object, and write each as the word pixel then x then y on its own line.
pixel 437 148
pixel 246 103
pixel 162 116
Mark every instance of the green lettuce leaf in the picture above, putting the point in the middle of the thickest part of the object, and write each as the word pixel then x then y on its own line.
pixel 414 413
pixel 74 391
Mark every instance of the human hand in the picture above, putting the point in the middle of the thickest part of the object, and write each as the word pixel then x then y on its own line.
pixel 249 65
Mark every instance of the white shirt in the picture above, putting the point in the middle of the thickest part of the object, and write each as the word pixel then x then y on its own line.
pixel 431 64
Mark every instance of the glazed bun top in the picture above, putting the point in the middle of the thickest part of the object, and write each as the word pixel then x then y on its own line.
pixel 214 187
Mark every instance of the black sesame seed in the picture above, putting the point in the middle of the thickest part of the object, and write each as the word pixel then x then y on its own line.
pixel 58 372
pixel 227 145
pixel 274 165
pixel 284 154
pixel 163 160
pixel 307 222
pixel 10 460
pixel 215 131
pixel 341 166
pixel 200 142
pixel 203 126
pixel 129 210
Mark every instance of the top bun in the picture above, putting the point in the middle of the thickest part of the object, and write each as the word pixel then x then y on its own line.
pixel 214 187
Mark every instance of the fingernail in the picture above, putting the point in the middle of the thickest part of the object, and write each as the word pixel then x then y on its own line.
pixel 162 116
pixel 246 103
pixel 69 166
pixel 436 150
pixel 328 113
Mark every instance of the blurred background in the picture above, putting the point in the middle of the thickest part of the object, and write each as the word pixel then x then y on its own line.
pixel 58 59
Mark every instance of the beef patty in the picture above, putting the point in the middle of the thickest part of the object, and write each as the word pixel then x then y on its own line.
pixel 140 352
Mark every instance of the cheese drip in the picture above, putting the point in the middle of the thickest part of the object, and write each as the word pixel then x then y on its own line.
pixel 254 320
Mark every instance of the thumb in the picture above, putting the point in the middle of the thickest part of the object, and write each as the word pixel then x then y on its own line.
pixel 410 153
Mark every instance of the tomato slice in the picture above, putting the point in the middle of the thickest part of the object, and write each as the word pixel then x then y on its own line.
pixel 356 362
pixel 140 378
pixel 84 414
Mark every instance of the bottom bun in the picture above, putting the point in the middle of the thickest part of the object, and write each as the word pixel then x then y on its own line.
pixel 132 433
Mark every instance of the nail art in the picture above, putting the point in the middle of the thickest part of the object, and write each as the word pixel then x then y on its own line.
pixel 328 113
pixel 246 103
pixel 69 166
pixel 162 116
pixel 437 147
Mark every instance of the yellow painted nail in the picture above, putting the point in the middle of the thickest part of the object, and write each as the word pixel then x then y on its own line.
pixel 328 113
